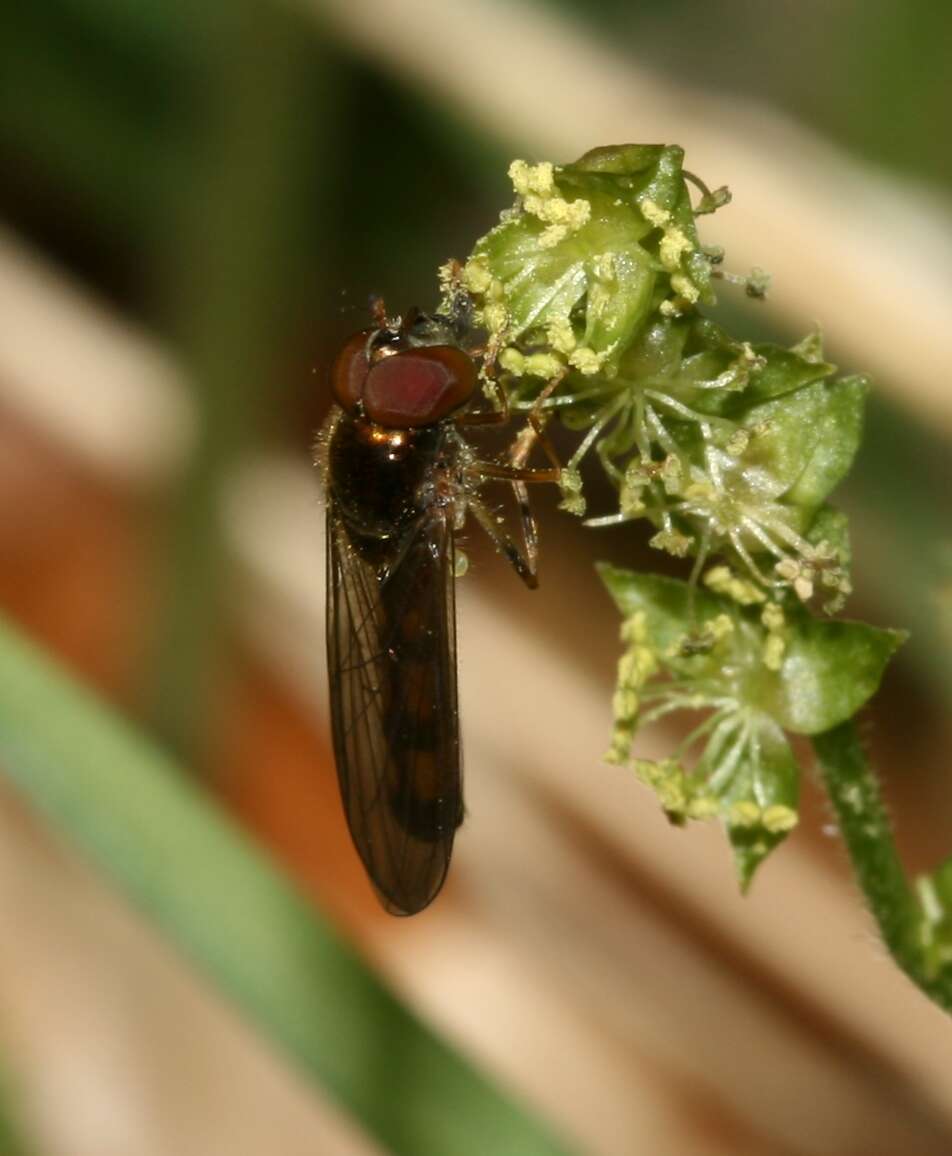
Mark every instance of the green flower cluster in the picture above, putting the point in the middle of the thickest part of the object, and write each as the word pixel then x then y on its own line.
pixel 755 669
pixel 590 288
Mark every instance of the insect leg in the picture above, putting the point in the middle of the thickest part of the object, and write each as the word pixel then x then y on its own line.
pixel 524 566
pixel 518 455
pixel 517 471
pixel 498 416
pixel 509 473
pixel 517 474
pixel 537 422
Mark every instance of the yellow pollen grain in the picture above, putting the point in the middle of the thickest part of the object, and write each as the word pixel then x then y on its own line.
pixel 778 818
pixel 674 244
pixel 774 647
pixel 512 361
pixel 744 814
pixel 703 807
pixel 546 365
pixel 552 235
pixel 772 616
pixel 633 628
pixel 803 588
pixel 560 335
pixel 495 318
pixel 685 287
pixel 476 275
pixel 586 360
pixel 719 627
pixel 653 213
pixel 527 179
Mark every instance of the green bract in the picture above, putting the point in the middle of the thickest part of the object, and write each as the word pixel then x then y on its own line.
pixel 749 670
pixel 589 251
pixel 590 290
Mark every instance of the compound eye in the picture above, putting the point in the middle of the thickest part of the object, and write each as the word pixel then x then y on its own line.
pixel 419 386
pixel 349 371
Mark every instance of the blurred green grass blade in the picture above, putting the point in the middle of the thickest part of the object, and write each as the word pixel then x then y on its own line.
pixel 12 1141
pixel 239 238
pixel 901 497
pixel 218 898
pixel 91 117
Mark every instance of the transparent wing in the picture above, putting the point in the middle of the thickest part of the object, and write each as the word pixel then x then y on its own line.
pixel 392 665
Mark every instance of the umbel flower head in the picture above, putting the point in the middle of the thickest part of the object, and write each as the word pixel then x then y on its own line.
pixel 591 291
pixel 746 670
pixel 596 276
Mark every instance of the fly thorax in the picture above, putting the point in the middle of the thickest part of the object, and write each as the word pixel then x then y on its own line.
pixel 379 476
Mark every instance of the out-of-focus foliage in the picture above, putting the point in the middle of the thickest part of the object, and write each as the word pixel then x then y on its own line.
pixel 169 849
pixel 866 73
pixel 12 1141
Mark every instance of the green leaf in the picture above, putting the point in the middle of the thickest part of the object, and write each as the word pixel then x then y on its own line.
pixel 593 245
pixel 784 371
pixel 626 159
pixel 697 265
pixel 217 897
pixel 665 602
pixel 746 774
pixel 839 432
pixel 832 526
pixel 666 187
pixel 542 284
pixel 805 440
pixel 676 353
pixel 760 800
pixel 775 372
pixel 623 305
pixel 829 671
pixel 658 350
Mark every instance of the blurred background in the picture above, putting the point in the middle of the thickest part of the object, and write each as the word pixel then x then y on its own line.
pixel 197 199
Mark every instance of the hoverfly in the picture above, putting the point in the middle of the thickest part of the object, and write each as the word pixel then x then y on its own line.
pixel 400 479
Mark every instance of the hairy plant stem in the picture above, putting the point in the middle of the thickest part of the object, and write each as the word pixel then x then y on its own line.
pixel 854 791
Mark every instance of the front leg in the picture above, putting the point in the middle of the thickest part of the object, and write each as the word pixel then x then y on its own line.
pixel 525 565
pixel 518 474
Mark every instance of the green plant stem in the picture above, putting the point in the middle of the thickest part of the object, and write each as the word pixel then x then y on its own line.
pixel 864 823
pixel 156 836
pixel 236 253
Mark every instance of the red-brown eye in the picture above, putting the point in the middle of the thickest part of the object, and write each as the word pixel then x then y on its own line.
pixel 419 386
pixel 349 371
